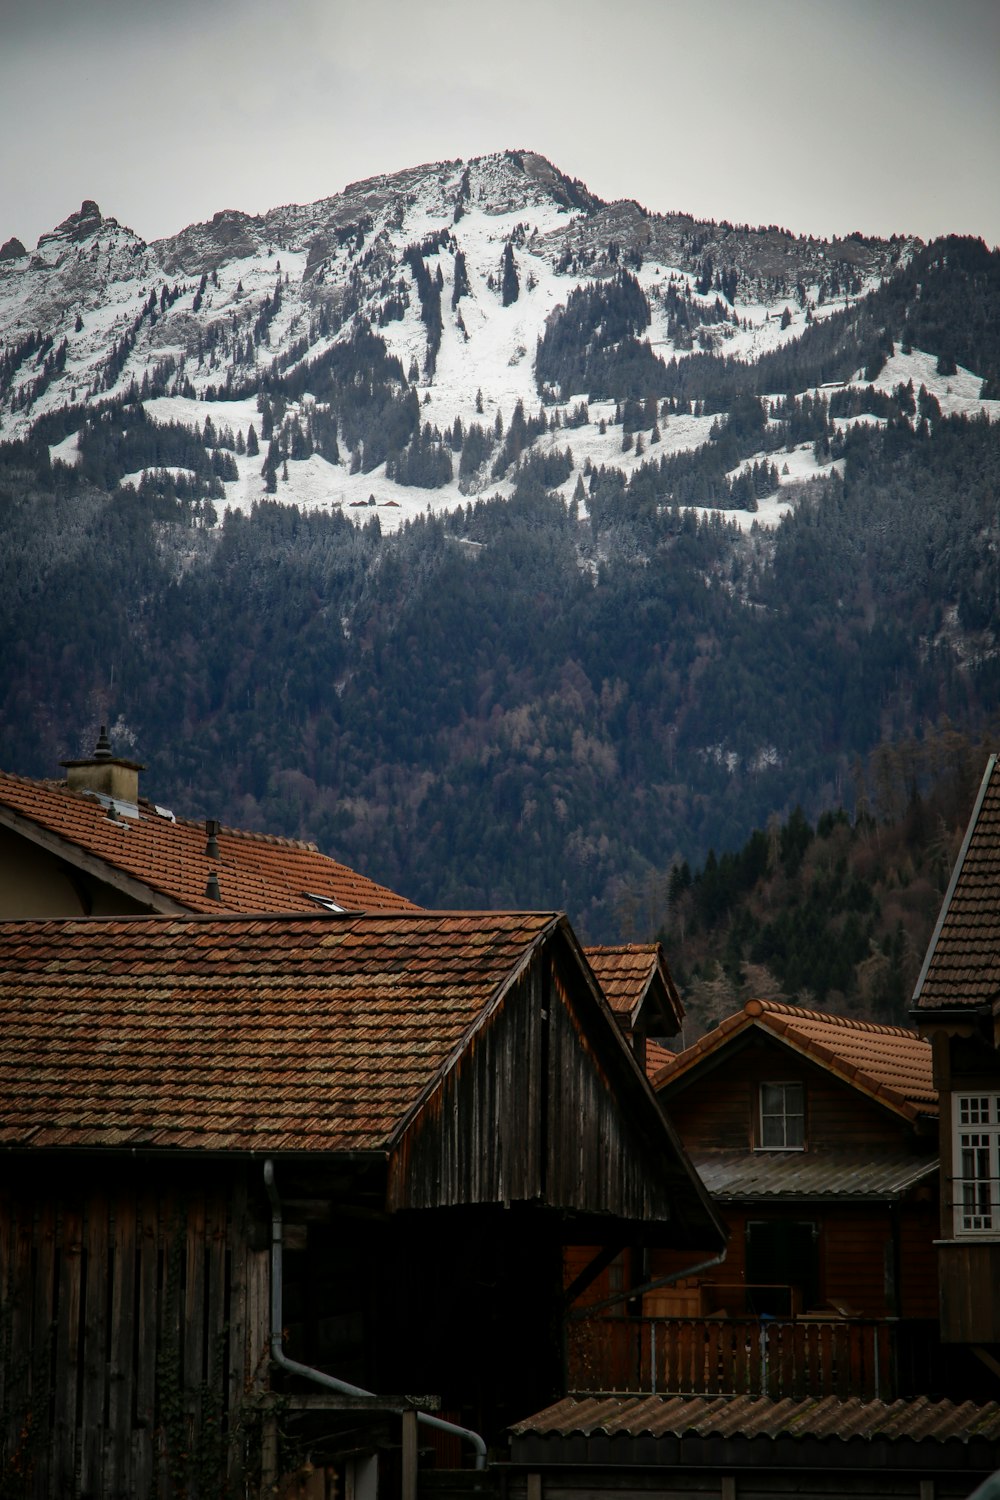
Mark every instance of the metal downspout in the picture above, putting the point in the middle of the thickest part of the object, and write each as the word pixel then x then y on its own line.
pixel 330 1382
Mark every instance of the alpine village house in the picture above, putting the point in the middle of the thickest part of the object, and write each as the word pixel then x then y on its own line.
pixel 289 1183
pixel 309 1191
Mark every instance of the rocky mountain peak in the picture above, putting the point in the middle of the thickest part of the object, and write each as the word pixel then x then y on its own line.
pixel 78 226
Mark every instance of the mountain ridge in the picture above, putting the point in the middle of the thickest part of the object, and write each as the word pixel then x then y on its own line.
pixel 96 314
pixel 453 526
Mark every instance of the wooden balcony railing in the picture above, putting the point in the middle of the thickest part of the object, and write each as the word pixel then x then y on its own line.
pixel 796 1358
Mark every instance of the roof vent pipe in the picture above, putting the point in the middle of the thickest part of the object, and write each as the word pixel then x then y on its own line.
pixel 212 891
pixel 212 834
pixel 319 1376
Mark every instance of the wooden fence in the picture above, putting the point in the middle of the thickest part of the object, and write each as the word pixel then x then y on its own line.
pixel 745 1356
pixel 133 1325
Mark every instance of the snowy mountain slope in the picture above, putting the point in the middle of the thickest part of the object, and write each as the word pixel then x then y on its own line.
pixel 459 269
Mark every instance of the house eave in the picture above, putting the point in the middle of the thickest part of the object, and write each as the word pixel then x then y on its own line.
pixel 90 864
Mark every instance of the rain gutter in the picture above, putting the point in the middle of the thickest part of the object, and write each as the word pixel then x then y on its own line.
pixel 330 1382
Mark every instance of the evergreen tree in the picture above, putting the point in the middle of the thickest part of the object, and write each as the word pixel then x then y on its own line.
pixel 461 286
pixel 510 286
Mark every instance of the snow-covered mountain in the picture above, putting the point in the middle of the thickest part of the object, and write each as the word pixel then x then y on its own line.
pixel 422 298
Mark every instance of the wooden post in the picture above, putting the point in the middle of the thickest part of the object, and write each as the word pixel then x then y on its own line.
pixel 534 1487
pixel 409 1486
pixel 269 1455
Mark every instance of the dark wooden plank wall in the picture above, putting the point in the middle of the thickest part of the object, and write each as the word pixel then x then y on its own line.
pixel 853 1245
pixel 478 1138
pixel 133 1327
pixel 970 1292
pixel 718 1111
pixel 529 1112
pixel 598 1158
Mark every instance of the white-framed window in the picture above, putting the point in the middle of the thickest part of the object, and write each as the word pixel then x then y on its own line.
pixel 976 1162
pixel 782 1124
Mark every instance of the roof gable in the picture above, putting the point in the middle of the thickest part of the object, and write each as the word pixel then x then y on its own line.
pixel 635 979
pixel 961 971
pixel 889 1064
pixel 544 1101
pixel 164 861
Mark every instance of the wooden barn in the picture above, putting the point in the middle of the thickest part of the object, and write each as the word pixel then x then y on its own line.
pixel 264 1175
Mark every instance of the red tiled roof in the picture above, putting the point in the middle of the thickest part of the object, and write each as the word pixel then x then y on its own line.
pixel 629 972
pixel 962 966
pixel 763 1416
pixel 237 1033
pixel 890 1063
pixel 657 1057
pixel 256 872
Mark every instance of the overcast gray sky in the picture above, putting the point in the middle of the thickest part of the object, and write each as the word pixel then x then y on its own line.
pixel 823 116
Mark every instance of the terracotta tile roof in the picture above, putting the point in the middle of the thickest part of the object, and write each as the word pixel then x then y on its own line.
pixel 632 972
pixel 890 1063
pixel 762 1416
pixel 962 966
pixel 238 1033
pixel 167 856
pixel 657 1057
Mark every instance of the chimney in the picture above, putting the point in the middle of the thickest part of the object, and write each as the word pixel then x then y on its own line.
pixel 212 890
pixel 104 773
pixel 212 835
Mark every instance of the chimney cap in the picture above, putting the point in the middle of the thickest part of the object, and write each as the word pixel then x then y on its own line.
pixel 103 756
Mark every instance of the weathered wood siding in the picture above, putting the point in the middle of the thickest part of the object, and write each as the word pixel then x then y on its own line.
pixel 478 1139
pixel 133 1327
pixel 970 1293
pixel 720 1113
pixel 597 1158
pixel 532 1111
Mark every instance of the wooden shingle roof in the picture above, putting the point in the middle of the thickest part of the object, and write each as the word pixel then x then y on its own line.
pixel 961 971
pixel 234 1034
pixel 890 1064
pixel 157 858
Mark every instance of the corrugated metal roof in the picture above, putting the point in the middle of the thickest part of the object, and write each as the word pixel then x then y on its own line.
pixel 239 1033
pixel 890 1064
pixel 256 872
pixel 962 967
pixel 739 1175
pixel 760 1416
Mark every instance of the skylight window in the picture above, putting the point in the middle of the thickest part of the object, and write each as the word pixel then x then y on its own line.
pixel 326 903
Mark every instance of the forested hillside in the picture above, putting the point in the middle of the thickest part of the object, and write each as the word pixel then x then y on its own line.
pixel 512 706
pixel 837 916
